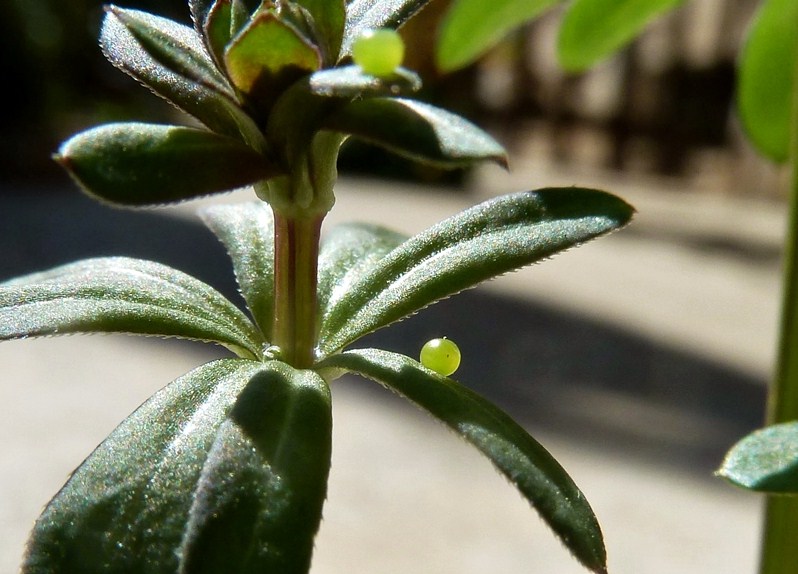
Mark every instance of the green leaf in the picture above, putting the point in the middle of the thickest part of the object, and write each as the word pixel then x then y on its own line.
pixel 349 253
pixel 765 460
pixel 258 502
pixel 536 474
pixel 186 58
pixel 138 164
pixel 121 295
pixel 267 56
pixel 212 108
pixel 247 231
pixel 594 29
pixel 126 507
pixel 329 17
pixel 201 10
pixel 362 15
pixel 487 240
pixel 766 78
pixel 468 29
pixel 416 130
pixel 351 82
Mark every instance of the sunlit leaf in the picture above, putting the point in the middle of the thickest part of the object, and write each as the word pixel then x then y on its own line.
pixel 351 81
pixel 766 78
pixel 362 15
pixel 487 240
pixel 765 460
pixel 247 231
pixel 416 130
pixel 519 457
pixel 594 29
pixel 126 507
pixel 469 29
pixel 122 295
pixel 258 501
pixel 209 106
pixel 267 56
pixel 173 51
pixel 137 164
pixel 348 253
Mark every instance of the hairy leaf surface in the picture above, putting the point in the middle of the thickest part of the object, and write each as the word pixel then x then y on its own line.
pixel 765 460
pixel 126 507
pixel 122 295
pixel 469 29
pixel 209 106
pixel 536 474
pixel 487 240
pixel 417 130
pixel 594 29
pixel 351 81
pixel 135 164
pixel 247 232
pixel 258 501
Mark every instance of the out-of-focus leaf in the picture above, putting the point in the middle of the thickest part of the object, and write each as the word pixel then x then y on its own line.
pixel 416 130
pixel 470 29
pixel 766 79
pixel 351 81
pixel 122 295
pixel 267 56
pixel 126 507
pixel 765 460
pixel 209 106
pixel 138 164
pixel 536 474
pixel 347 254
pixel 189 59
pixel 362 15
pixel 594 29
pixel 329 17
pixel 258 501
pixel 487 240
pixel 247 231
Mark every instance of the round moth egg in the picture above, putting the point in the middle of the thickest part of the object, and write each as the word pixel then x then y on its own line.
pixel 440 355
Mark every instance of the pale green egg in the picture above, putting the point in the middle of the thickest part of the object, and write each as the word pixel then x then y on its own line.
pixel 378 52
pixel 441 356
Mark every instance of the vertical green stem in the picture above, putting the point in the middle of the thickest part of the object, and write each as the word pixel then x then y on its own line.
pixel 780 535
pixel 296 249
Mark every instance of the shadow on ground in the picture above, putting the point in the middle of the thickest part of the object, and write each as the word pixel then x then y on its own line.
pixel 548 367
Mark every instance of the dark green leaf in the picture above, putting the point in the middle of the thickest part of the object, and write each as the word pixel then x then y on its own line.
pixel 257 504
pixel 362 15
pixel 766 79
pixel 137 164
pixel 329 17
pixel 247 231
pixel 594 29
pixel 201 9
pixel 536 474
pixel 188 59
pixel 267 56
pixel 209 106
pixel 126 507
pixel 469 29
pixel 347 254
pixel 350 82
pixel 121 295
pixel 765 460
pixel 416 130
pixel 487 240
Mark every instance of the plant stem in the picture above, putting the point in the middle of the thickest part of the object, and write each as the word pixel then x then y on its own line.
pixel 296 249
pixel 779 547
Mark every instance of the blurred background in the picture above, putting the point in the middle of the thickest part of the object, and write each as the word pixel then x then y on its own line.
pixel 637 359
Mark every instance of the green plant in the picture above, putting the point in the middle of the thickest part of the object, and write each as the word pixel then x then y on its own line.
pixel 767 103
pixel 225 469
